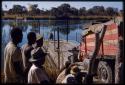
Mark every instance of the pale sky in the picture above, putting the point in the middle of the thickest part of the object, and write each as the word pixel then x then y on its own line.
pixel 77 4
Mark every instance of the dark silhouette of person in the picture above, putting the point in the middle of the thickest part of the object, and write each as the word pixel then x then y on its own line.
pixel 26 52
pixel 73 58
pixel 51 36
pixel 13 65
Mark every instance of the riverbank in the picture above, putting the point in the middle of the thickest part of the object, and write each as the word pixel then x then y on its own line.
pixel 13 17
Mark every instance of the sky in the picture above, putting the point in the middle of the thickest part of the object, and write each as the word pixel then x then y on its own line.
pixel 49 4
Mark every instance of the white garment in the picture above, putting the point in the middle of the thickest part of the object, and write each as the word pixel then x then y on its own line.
pixel 37 75
pixel 69 79
pixel 12 53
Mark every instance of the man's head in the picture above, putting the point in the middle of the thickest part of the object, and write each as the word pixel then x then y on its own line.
pixel 74 70
pixel 16 35
pixel 31 37
pixel 39 40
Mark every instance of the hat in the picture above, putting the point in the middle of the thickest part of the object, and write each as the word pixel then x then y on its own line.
pixel 74 69
pixel 36 55
pixel 38 37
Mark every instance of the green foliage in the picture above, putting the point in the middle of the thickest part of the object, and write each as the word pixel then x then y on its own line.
pixel 64 10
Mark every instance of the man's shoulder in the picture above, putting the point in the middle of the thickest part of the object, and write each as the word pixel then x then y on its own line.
pixel 27 47
pixel 11 47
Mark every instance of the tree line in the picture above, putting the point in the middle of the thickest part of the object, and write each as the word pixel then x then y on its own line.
pixel 63 10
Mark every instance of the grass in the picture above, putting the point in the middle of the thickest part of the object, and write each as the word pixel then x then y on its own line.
pixel 51 70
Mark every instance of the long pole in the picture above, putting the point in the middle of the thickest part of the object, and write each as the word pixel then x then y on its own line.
pixel 54 39
pixel 67 29
pixel 58 49
pixel 39 26
pixel 76 36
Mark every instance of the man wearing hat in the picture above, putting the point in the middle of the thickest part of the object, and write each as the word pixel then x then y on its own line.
pixel 39 43
pixel 74 57
pixel 37 73
pixel 39 40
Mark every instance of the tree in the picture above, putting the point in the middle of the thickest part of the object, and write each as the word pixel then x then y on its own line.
pixel 110 11
pixel 97 10
pixel 64 9
pixel 83 11
pixel 34 10
pixel 73 11
pixel 90 12
pixel 18 9
pixel 54 12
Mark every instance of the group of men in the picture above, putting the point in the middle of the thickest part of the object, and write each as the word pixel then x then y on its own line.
pixel 24 65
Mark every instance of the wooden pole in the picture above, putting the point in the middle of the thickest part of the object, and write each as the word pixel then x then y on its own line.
pixel 120 56
pixel 67 29
pixel 76 36
pixel 58 48
pixel 99 38
pixel 54 39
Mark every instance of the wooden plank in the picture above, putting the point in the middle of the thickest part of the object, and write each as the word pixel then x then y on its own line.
pixel 105 42
pixel 106 47
pixel 106 37
pixel 112 26
pixel 110 32
pixel 111 37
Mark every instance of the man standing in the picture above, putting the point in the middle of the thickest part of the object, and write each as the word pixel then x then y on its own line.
pixel 51 36
pixel 26 52
pixel 13 67
pixel 37 73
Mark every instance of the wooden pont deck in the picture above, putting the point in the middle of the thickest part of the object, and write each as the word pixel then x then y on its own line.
pixel 53 51
pixel 54 61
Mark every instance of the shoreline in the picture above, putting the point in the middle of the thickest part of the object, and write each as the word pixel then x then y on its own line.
pixel 15 17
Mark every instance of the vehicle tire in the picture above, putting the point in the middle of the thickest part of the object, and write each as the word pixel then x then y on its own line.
pixel 104 72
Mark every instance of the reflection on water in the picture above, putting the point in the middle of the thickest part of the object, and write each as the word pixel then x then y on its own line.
pixel 70 30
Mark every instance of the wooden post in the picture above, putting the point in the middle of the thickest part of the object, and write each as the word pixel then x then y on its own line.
pixel 76 36
pixel 67 29
pixel 54 39
pixel 39 26
pixel 85 45
pixel 99 38
pixel 58 49
pixel 120 56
